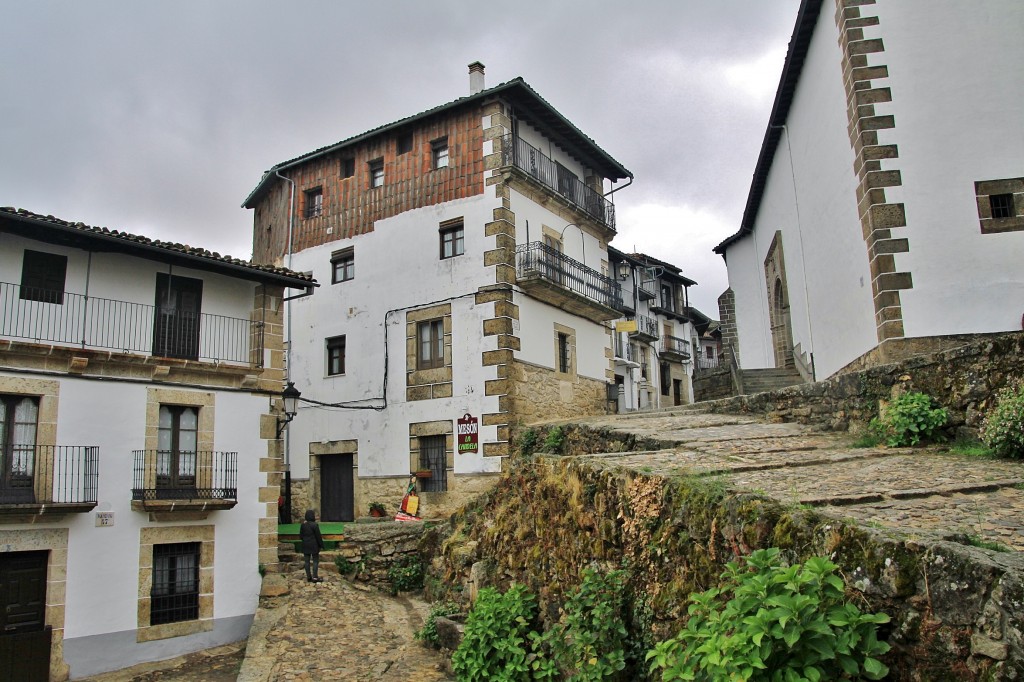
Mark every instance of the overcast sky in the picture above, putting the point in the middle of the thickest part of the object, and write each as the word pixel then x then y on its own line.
pixel 159 118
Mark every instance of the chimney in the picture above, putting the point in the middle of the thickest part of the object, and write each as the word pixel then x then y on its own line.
pixel 476 78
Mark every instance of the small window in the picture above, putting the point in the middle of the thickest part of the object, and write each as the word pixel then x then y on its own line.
pixel 434 458
pixel 452 240
pixel 376 173
pixel 666 378
pixel 335 355
pixel 175 593
pixel 43 276
pixel 439 153
pixel 314 202
pixel 430 344
pixel 404 144
pixel 563 353
pixel 1002 205
pixel 343 265
pixel 348 167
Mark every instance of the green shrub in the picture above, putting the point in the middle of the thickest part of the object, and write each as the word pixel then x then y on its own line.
pixel 346 567
pixel 496 645
pixel 428 633
pixel 589 642
pixel 555 440
pixel 1003 427
pixel 406 574
pixel 527 442
pixel 908 419
pixel 780 623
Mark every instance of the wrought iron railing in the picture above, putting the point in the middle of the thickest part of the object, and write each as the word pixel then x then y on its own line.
pixel 554 266
pixel 517 152
pixel 181 475
pixel 93 322
pixel 624 350
pixel 673 344
pixel 647 326
pixel 705 364
pixel 50 474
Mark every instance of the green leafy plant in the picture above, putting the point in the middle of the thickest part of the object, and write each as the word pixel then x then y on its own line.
pixel 779 623
pixel 496 645
pixel 589 642
pixel 428 633
pixel 554 441
pixel 346 567
pixel 377 509
pixel 1003 427
pixel 909 419
pixel 262 568
pixel 527 442
pixel 406 574
pixel 867 440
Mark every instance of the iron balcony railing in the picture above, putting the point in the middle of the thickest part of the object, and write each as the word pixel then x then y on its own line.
pixel 92 322
pixel 554 266
pixel 184 475
pixel 50 474
pixel 624 350
pixel 521 154
pixel 705 364
pixel 647 326
pixel 673 344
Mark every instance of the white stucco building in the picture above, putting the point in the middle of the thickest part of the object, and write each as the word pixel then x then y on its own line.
pixel 463 252
pixel 653 343
pixel 886 213
pixel 139 470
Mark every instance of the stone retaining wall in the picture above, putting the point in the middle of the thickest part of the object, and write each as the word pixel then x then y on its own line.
pixel 963 380
pixel 712 384
pixel 372 548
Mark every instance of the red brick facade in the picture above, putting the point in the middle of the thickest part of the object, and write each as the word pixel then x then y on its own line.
pixel 350 206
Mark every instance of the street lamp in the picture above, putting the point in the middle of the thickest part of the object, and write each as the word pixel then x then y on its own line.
pixel 291 397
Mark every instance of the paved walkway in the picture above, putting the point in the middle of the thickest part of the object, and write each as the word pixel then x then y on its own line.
pixel 912 490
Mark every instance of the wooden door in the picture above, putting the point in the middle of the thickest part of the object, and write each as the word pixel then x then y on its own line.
pixel 178 308
pixel 337 501
pixel 24 635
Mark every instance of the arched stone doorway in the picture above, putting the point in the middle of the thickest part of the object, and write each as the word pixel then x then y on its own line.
pixel 778 304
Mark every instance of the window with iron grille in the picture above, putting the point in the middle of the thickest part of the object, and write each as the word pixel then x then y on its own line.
pixel 314 202
pixel 174 596
pixel 335 355
pixel 1002 205
pixel 343 265
pixel 439 153
pixel 563 353
pixel 434 458
pixel 348 167
pixel 43 276
pixel 452 240
pixel 376 173
pixel 430 344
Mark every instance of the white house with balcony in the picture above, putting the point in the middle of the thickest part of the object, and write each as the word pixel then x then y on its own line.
pixel 139 465
pixel 886 212
pixel 652 343
pixel 466 292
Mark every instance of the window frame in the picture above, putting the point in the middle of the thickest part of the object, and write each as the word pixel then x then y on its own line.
pixel 314 202
pixel 1003 205
pixel 331 345
pixel 343 262
pixel 347 167
pixel 174 598
pixel 452 233
pixel 434 458
pixel 403 144
pixel 439 150
pixel 434 329
pixel 564 359
pixel 39 280
pixel 376 168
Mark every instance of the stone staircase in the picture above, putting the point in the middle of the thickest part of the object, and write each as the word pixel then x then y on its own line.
pixel 764 380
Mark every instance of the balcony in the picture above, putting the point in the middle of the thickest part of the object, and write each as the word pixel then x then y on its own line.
pixel 674 348
pixel 625 353
pixel 552 277
pixel 184 481
pixel 48 480
pixel 645 290
pixel 705 364
pixel 519 154
pixel 646 328
pixel 89 322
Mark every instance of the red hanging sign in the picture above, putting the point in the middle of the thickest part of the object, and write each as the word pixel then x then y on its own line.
pixel 468 434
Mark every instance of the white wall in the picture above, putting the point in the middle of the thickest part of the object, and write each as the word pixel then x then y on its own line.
pixel 825 256
pixel 958 101
pixel 396 266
